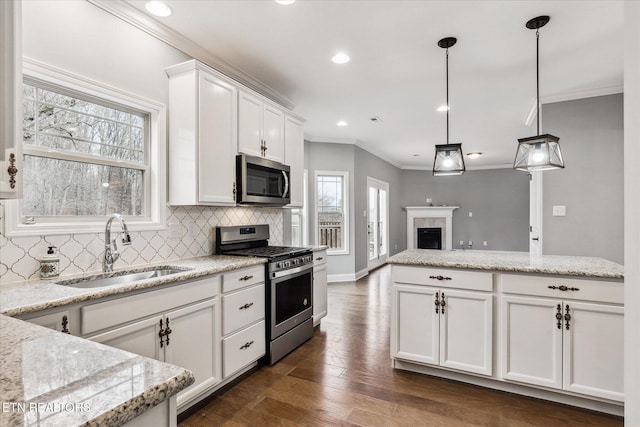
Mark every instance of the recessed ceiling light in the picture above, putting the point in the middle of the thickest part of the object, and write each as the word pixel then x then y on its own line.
pixel 443 108
pixel 340 58
pixel 341 123
pixel 285 2
pixel 474 154
pixel 158 8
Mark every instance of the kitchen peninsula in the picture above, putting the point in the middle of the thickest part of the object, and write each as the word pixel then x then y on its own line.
pixel 544 326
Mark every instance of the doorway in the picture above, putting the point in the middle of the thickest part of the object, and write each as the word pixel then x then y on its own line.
pixel 377 222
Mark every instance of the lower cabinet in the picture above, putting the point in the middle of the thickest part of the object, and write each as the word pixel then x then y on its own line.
pixel 187 337
pixel 319 286
pixel 564 344
pixel 61 321
pixel 441 326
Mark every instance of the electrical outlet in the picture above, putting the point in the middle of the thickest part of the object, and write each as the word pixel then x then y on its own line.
pixel 396 246
pixel 470 214
pixel 484 243
pixel 470 243
pixel 461 242
pixel 559 211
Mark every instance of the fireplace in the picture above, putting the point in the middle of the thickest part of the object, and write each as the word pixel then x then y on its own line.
pixel 429 238
pixel 430 217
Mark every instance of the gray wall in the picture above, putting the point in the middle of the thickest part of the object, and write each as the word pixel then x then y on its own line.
pixel 368 165
pixel 591 185
pixel 498 199
pixel 331 157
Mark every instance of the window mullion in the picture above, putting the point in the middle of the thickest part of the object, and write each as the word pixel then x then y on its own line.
pixel 29 150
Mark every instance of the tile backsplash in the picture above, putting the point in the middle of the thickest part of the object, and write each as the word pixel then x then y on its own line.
pixel 20 256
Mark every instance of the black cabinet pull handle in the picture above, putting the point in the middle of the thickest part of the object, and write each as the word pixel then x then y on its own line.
pixel 563 288
pixel 161 334
pixel 167 332
pixel 246 345
pixel 440 277
pixel 245 278
pixel 319 259
pixel 65 325
pixel 559 316
pixel 442 302
pixel 437 302
pixel 567 317
pixel 244 307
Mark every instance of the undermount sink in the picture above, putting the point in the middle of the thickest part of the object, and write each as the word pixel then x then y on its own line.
pixel 121 277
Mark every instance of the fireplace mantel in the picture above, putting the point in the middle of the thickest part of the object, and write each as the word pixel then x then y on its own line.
pixel 418 212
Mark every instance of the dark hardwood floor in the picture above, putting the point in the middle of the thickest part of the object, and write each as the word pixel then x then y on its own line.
pixel 343 376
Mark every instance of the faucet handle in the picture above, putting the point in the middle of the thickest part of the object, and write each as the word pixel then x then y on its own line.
pixel 126 239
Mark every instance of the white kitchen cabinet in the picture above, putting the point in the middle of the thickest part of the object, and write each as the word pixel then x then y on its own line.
pixel 442 326
pixel 319 286
pixel 179 324
pixel 243 319
pixel 564 344
pixel 203 136
pixel 60 321
pixel 260 127
pixel 11 170
pixel 294 157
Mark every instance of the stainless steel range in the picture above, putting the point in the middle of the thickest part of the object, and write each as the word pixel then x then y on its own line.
pixel 289 285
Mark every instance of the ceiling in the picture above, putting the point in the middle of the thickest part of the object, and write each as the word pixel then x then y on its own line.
pixel 397 71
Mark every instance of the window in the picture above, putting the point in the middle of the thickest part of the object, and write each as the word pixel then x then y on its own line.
pixel 81 157
pixel 90 150
pixel 331 211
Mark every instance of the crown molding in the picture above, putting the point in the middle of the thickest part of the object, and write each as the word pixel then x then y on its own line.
pixel 570 96
pixel 140 20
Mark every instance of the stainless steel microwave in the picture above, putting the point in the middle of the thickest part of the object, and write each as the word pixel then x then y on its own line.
pixel 261 182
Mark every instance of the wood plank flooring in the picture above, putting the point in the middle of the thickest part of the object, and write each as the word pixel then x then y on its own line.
pixel 343 377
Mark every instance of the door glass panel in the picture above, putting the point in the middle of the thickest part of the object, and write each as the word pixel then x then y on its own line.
pixel 382 221
pixel 372 227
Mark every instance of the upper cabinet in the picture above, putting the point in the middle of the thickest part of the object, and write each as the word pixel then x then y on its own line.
pixel 11 100
pixel 294 157
pixel 260 128
pixel 202 136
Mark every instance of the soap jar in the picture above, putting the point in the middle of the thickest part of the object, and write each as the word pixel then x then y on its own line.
pixel 50 264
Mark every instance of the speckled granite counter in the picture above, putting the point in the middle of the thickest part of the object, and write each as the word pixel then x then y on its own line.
pixel 318 248
pixel 520 262
pixel 23 298
pixel 48 378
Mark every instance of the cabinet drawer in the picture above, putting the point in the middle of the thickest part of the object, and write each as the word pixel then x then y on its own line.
pixel 443 278
pixel 319 258
pixel 241 278
pixel 242 308
pixel 242 348
pixel 96 317
pixel 574 288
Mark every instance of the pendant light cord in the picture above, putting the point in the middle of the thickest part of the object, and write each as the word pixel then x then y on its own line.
pixel 538 80
pixel 447 67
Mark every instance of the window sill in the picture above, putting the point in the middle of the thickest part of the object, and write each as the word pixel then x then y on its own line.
pixel 27 230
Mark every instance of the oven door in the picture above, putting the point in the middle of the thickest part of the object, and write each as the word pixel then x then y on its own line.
pixel 291 299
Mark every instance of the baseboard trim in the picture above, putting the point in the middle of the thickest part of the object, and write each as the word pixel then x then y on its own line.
pixel 347 277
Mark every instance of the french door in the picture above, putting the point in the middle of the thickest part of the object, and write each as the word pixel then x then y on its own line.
pixel 377 222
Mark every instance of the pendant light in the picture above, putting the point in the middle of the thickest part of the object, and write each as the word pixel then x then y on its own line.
pixel 541 152
pixel 449 159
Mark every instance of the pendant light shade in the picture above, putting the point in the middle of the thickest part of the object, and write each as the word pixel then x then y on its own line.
pixel 449 159
pixel 541 152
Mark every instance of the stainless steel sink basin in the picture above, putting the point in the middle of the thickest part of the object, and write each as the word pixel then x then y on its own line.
pixel 121 277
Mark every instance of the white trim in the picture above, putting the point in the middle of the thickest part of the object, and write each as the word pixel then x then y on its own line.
pixel 142 21
pixel 446 212
pixel 384 186
pixel 157 160
pixel 347 277
pixel 345 200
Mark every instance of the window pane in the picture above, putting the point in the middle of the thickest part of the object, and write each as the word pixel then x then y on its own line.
pixel 64 188
pixel 330 211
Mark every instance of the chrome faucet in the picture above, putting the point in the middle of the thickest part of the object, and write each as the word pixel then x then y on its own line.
pixel 112 255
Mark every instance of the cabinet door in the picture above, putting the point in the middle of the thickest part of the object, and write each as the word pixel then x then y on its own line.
pixel 415 324
pixel 217 141
pixel 11 170
pixel 139 338
pixel 466 325
pixel 249 124
pixel 273 132
pixel 594 349
pixel 55 321
pixel 319 293
pixel 294 157
pixel 531 341
pixel 194 344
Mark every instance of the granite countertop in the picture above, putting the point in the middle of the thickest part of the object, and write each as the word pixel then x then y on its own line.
pixel 520 262
pixel 23 298
pixel 318 248
pixel 48 378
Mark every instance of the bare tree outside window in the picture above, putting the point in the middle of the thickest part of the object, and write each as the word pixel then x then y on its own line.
pixel 82 157
pixel 330 207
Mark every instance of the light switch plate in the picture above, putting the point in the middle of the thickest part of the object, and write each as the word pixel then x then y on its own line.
pixel 559 211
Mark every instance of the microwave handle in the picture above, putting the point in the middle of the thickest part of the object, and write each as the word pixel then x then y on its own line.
pixel 286 184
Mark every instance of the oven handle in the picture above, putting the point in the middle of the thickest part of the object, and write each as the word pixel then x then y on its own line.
pixel 291 271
